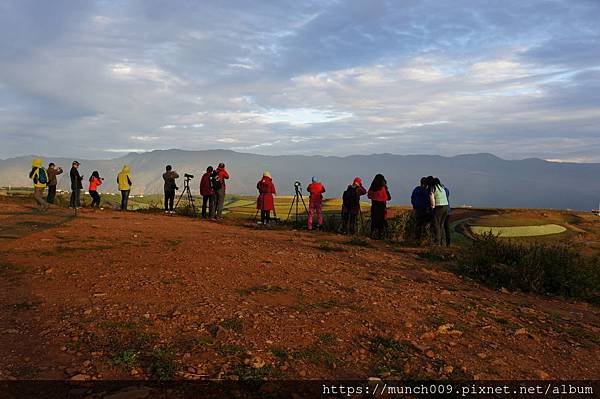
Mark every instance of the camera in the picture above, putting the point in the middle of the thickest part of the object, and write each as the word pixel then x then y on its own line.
pixel 297 184
pixel 188 176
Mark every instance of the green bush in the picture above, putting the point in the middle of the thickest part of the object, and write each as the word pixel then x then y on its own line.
pixel 538 268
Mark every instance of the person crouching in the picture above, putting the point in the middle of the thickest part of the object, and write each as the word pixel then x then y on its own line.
pixel 266 198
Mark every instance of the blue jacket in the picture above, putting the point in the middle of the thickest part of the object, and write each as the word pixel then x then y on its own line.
pixel 420 198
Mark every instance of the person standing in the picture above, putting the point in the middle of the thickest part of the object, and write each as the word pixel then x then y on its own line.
pixel 421 206
pixel 219 186
pixel 76 186
pixel 379 195
pixel 95 181
pixel 315 202
pixel 266 197
pixel 52 172
pixel 447 231
pixel 439 205
pixel 351 205
pixel 170 186
pixel 124 182
pixel 208 193
pixel 40 178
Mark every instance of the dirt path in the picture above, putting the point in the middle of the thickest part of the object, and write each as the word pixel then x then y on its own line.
pixel 112 295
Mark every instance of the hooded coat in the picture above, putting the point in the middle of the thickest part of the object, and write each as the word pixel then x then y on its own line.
pixel 266 190
pixel 124 179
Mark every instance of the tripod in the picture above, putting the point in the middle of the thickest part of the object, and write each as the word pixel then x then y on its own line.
pixel 189 197
pixel 297 198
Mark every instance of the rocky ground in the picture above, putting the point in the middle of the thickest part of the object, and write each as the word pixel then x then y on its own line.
pixel 110 295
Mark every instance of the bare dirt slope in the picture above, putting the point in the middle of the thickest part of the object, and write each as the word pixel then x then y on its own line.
pixel 110 295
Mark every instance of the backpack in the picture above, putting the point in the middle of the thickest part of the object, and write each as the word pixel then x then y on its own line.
pixel 215 182
pixel 42 176
pixel 349 198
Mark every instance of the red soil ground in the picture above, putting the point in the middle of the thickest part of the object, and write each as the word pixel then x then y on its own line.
pixel 110 295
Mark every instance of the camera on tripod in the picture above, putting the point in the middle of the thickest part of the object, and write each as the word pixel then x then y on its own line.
pixel 188 176
pixel 297 184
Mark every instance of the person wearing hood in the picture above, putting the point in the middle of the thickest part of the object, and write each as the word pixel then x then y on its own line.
pixel 266 197
pixel 315 203
pixel 124 183
pixel 351 205
pixel 39 177
pixel 422 207
pixel 52 171
pixel 76 186
pixel 220 175
pixel 95 181
pixel 379 195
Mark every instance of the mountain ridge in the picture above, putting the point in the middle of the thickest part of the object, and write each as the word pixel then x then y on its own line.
pixel 480 179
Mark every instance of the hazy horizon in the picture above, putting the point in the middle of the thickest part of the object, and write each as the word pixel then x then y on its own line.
pixel 48 158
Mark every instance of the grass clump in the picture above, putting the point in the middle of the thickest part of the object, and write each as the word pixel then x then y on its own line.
pixel 267 288
pixel 358 242
pixel 326 246
pixel 127 358
pixel 233 324
pixel 162 364
pixel 537 268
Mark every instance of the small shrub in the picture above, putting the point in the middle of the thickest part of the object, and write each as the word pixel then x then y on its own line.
pixel 538 268
pixel 162 364
pixel 126 359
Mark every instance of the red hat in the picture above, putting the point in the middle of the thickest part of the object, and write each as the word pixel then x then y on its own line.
pixel 357 180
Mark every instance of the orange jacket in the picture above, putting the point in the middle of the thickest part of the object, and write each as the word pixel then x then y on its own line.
pixel 94 183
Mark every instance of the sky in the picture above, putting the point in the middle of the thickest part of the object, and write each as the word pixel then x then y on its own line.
pixel 98 79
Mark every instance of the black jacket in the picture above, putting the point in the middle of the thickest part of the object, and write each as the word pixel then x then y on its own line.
pixel 75 179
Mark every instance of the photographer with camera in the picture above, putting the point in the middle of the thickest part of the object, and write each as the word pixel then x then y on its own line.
pixel 315 203
pixel 208 193
pixel 218 181
pixel 170 186
pixel 265 202
pixel 95 181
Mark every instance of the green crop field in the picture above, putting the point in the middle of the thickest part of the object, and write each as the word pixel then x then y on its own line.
pixel 519 231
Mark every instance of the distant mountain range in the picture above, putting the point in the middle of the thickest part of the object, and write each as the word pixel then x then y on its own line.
pixel 477 179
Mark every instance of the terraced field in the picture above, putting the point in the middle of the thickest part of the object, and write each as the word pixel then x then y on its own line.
pixel 520 231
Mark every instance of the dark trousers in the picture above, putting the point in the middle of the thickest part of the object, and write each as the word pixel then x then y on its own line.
pixel 51 194
pixel 75 200
pixel 220 193
pixel 440 213
pixel 348 222
pixel 447 231
pixel 265 217
pixel 95 198
pixel 208 201
pixel 378 222
pixel 124 199
pixel 422 218
pixel 169 199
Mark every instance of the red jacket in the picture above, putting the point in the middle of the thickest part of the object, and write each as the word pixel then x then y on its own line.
pixel 222 173
pixel 381 195
pixel 205 188
pixel 94 183
pixel 316 190
pixel 266 189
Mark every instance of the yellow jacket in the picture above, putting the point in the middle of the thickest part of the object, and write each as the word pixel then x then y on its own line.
pixel 123 179
pixel 36 164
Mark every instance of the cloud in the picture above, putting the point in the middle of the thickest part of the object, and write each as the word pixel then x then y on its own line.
pixel 90 79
